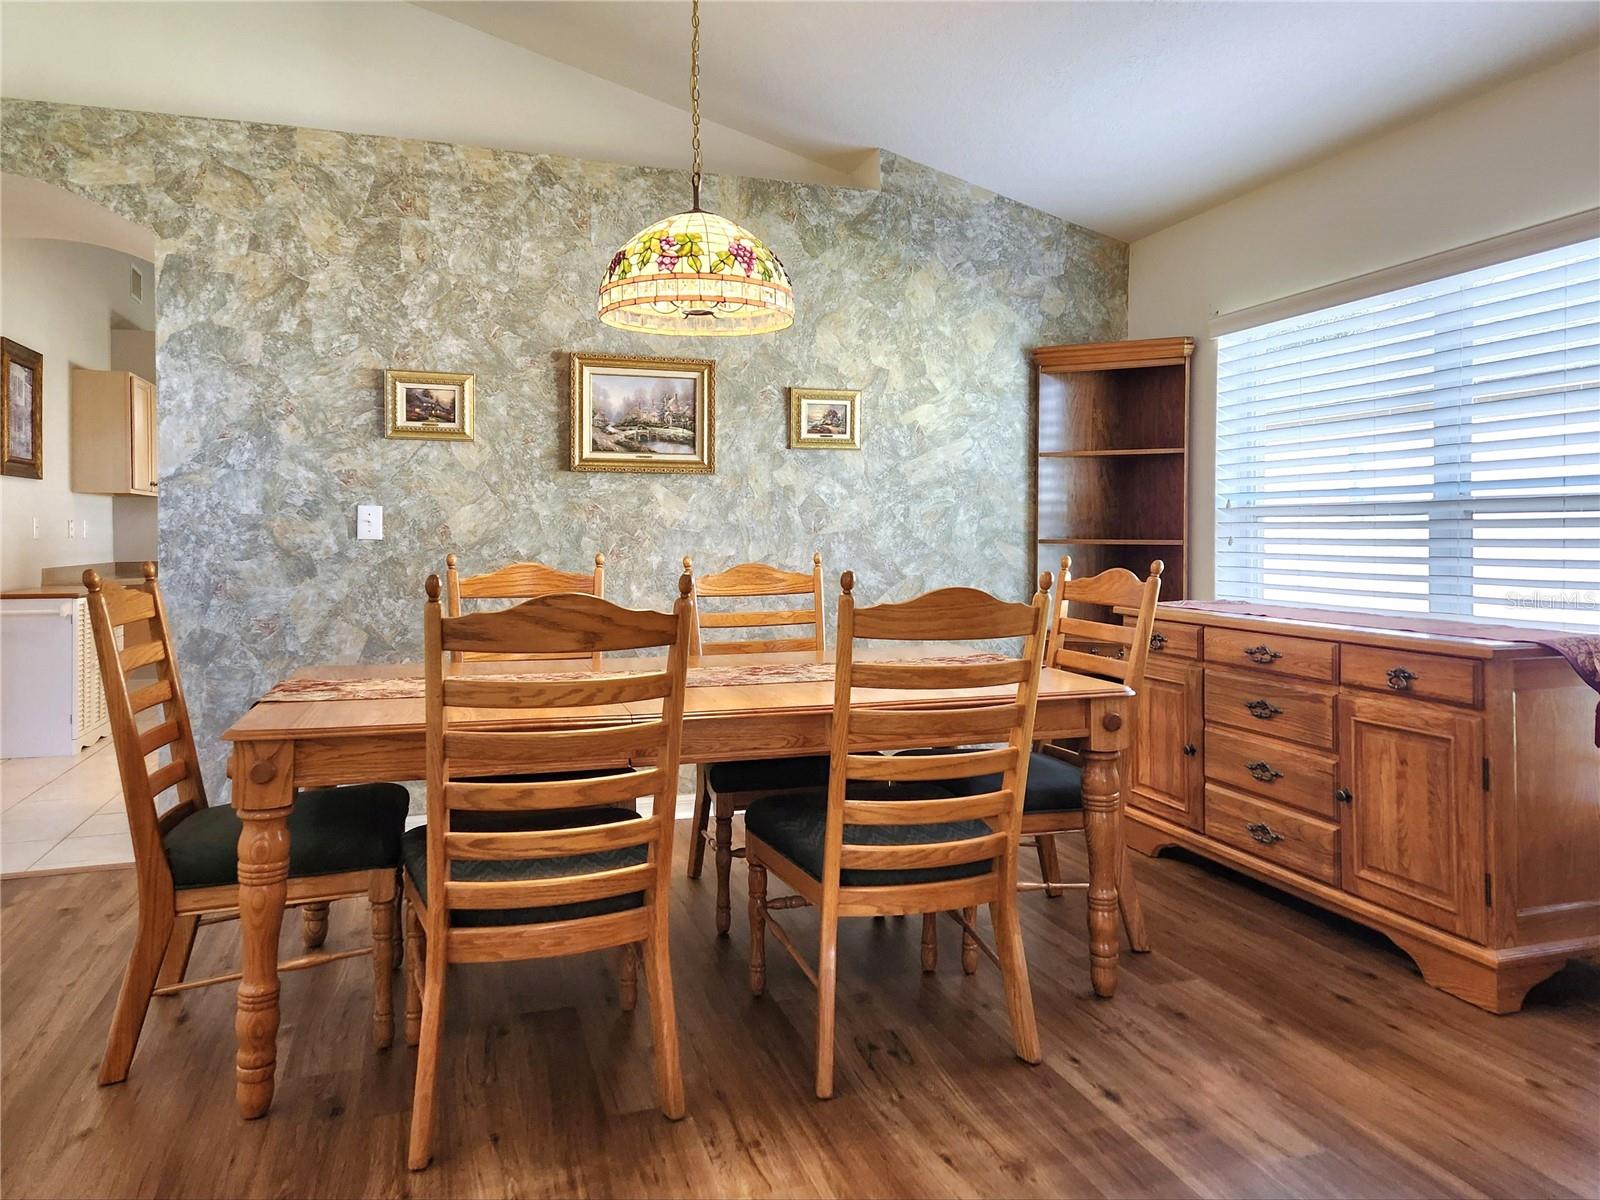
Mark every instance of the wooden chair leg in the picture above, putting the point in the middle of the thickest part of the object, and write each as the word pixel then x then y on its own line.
pixel 175 964
pixel 1049 864
pixel 424 1100
pixel 1014 971
pixel 969 944
pixel 664 1026
pixel 314 924
pixel 628 978
pixel 930 943
pixel 133 1001
pixel 827 996
pixel 413 971
pixel 1132 910
pixel 724 818
pixel 702 815
pixel 757 880
pixel 381 896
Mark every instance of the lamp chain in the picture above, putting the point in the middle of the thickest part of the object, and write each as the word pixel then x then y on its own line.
pixel 694 97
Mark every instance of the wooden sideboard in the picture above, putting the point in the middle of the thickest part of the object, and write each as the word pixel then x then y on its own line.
pixel 1442 789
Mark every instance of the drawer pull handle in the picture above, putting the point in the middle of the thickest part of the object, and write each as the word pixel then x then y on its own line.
pixel 1262 711
pixel 1400 678
pixel 1262 654
pixel 1158 641
pixel 1263 833
pixel 1189 750
pixel 1343 796
pixel 1260 770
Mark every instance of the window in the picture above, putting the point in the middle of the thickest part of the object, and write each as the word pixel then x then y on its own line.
pixel 1434 449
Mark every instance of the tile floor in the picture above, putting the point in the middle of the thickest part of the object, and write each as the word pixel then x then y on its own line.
pixel 62 812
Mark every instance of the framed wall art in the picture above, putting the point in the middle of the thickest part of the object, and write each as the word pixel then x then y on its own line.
pixel 643 414
pixel 22 397
pixel 428 404
pixel 824 419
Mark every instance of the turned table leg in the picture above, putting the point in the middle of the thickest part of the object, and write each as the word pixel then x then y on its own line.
pixel 1102 818
pixel 263 793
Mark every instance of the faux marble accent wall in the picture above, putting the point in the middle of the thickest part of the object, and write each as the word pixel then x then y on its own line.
pixel 296 264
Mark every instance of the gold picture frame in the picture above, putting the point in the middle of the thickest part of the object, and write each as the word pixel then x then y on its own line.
pixel 824 419
pixel 433 405
pixel 653 415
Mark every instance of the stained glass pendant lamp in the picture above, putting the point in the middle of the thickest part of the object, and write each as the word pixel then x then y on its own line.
pixel 696 274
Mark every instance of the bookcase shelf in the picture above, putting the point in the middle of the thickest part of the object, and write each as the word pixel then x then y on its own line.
pixel 1111 458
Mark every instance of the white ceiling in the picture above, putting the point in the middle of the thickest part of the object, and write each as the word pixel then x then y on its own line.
pixel 1124 117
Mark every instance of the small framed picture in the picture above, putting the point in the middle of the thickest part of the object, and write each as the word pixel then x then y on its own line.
pixel 824 419
pixel 22 397
pixel 644 414
pixel 427 404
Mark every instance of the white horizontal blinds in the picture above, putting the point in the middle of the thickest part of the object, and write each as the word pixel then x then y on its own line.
pixel 1433 449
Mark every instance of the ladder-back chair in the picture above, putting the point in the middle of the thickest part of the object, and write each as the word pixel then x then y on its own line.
pixel 534 867
pixel 881 839
pixel 1054 800
pixel 723 789
pixel 344 842
pixel 518 581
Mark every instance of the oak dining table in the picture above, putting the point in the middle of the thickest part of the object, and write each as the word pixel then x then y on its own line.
pixel 313 738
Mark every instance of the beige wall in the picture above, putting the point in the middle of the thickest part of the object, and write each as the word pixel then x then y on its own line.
pixel 1526 152
pixel 60 298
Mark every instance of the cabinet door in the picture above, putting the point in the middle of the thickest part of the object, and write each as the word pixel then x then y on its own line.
pixel 142 427
pixel 1166 759
pixel 1412 784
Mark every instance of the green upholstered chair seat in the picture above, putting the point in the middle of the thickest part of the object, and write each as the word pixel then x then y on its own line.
pixel 1053 785
pixel 330 830
pixel 769 774
pixel 414 853
pixel 794 826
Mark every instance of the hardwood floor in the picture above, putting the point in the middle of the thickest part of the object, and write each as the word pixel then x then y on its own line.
pixel 1263 1049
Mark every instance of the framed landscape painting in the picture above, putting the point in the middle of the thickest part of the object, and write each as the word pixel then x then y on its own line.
pixel 824 419
pixel 428 404
pixel 643 414
pixel 22 397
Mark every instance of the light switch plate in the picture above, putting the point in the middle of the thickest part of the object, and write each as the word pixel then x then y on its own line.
pixel 369 522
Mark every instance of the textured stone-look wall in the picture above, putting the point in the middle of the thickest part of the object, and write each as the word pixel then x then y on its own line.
pixel 296 264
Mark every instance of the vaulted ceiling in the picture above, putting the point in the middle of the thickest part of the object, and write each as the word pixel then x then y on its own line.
pixel 1123 117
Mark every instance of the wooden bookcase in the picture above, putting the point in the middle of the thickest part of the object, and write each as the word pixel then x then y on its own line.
pixel 1111 474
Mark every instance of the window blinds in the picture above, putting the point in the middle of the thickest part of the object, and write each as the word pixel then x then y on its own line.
pixel 1434 449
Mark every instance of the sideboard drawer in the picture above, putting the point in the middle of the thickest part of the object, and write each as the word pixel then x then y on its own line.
pixel 1407 673
pixel 1174 639
pixel 1280 771
pixel 1270 654
pixel 1267 831
pixel 1280 708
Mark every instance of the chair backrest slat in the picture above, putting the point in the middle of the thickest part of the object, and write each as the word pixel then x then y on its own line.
pixel 892 728
pixel 948 615
pixel 751 581
pixel 139 614
pixel 919 768
pixel 553 843
pixel 535 893
pixel 592 730
pixel 517 581
pixel 469 691
pixel 524 796
pixel 976 708
pixel 989 806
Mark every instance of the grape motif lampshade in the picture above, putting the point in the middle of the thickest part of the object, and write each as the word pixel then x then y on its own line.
pixel 696 274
